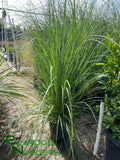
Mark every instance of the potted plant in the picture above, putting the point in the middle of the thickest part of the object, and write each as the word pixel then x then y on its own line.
pixel 64 63
pixel 111 86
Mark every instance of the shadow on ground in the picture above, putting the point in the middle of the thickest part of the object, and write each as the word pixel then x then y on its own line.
pixel 5 149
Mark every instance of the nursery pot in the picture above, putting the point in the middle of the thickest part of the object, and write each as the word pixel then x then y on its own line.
pixel 59 138
pixel 112 147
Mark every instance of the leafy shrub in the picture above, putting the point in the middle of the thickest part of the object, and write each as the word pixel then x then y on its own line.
pixel 111 86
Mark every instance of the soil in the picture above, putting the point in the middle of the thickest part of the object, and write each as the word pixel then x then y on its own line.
pixel 86 131
pixel 85 125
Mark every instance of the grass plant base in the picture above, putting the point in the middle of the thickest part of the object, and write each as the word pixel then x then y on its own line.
pixel 60 140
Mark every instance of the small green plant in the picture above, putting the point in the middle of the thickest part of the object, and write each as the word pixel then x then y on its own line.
pixel 11 50
pixel 111 86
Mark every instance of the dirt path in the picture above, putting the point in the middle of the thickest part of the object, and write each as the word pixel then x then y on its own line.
pixel 9 112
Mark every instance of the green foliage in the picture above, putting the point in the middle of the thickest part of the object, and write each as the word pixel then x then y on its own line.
pixel 64 62
pixel 111 85
pixel 11 49
pixel 65 47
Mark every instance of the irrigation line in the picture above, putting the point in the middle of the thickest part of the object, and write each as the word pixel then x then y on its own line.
pixel 20 11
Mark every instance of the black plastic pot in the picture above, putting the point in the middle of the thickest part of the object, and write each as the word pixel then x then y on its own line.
pixel 112 147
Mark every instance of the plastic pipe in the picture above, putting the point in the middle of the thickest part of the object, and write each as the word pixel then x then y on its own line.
pixel 99 128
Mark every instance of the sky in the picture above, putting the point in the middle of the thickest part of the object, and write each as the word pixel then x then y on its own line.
pixel 22 5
